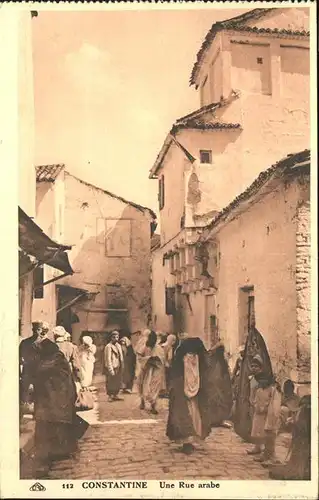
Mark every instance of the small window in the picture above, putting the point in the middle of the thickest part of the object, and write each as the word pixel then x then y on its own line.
pixel 38 283
pixel 259 60
pixel 205 156
pixel 161 192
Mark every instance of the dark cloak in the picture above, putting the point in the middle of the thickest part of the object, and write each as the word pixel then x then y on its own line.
pixel 57 425
pixel 54 389
pixel 214 395
pixel 129 366
pixel 298 467
pixel 255 344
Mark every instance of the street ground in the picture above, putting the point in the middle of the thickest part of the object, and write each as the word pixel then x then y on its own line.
pixel 126 442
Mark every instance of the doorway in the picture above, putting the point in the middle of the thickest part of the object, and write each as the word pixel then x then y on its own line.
pixel 247 314
pixel 211 321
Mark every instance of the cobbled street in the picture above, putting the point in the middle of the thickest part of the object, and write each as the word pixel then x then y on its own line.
pixel 126 442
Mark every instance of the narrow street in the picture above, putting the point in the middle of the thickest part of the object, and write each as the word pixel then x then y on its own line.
pixel 126 442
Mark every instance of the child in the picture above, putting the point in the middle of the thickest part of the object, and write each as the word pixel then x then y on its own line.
pixel 256 371
pixel 266 418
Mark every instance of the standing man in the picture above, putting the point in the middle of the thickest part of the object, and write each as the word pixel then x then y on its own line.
pixel 28 354
pixel 114 366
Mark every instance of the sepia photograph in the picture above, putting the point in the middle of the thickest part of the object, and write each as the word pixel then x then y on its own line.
pixel 162 210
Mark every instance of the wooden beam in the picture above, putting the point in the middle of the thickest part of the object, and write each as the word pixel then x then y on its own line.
pixel 51 281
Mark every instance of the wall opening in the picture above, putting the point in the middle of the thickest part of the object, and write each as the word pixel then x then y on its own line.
pixel 205 155
pixel 161 192
pixel 246 312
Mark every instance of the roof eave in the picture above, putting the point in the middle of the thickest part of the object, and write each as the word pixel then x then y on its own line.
pixel 141 208
pixel 227 24
pixel 276 171
pixel 160 157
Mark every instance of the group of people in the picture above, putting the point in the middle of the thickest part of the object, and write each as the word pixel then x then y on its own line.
pixel 273 409
pixel 49 374
pixel 147 364
pixel 180 367
pixel 197 382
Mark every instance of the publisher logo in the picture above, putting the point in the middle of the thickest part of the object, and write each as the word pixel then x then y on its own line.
pixel 37 487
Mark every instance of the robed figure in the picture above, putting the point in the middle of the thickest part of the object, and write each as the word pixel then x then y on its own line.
pixel 243 414
pixel 200 395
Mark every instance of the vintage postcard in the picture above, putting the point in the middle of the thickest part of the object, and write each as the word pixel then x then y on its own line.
pixel 159 304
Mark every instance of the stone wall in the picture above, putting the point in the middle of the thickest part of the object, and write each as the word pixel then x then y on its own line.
pixel 303 288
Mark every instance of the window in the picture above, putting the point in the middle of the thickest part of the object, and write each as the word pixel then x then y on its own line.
pixel 251 71
pixel 205 156
pixel 161 192
pixel 38 274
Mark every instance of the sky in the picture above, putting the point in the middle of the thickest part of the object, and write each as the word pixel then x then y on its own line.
pixel 108 87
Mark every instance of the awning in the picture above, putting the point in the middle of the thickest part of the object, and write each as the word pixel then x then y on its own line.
pixel 69 295
pixel 33 241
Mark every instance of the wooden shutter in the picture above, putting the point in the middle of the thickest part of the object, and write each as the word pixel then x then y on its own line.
pixel 161 192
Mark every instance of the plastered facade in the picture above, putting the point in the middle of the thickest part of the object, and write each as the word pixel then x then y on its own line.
pixel 263 82
pixel 110 251
pixel 267 233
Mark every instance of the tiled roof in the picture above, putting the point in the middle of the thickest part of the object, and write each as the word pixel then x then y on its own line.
pixel 190 123
pixel 238 24
pixel 272 31
pixel 283 167
pixel 48 173
pixel 202 125
pixel 199 112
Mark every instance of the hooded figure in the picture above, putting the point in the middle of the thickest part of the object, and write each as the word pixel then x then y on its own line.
pixel 54 403
pixel 196 379
pixel 87 352
pixel 168 348
pixel 255 348
pixel 152 372
pixel 28 354
pixel 69 350
pixel 129 359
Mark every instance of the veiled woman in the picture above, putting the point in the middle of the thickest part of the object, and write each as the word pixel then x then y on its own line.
pixel 87 352
pixel 197 385
pixel 152 372
pixel 56 423
pixel 168 348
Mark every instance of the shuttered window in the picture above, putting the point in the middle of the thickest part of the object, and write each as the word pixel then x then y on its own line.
pixel 161 192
